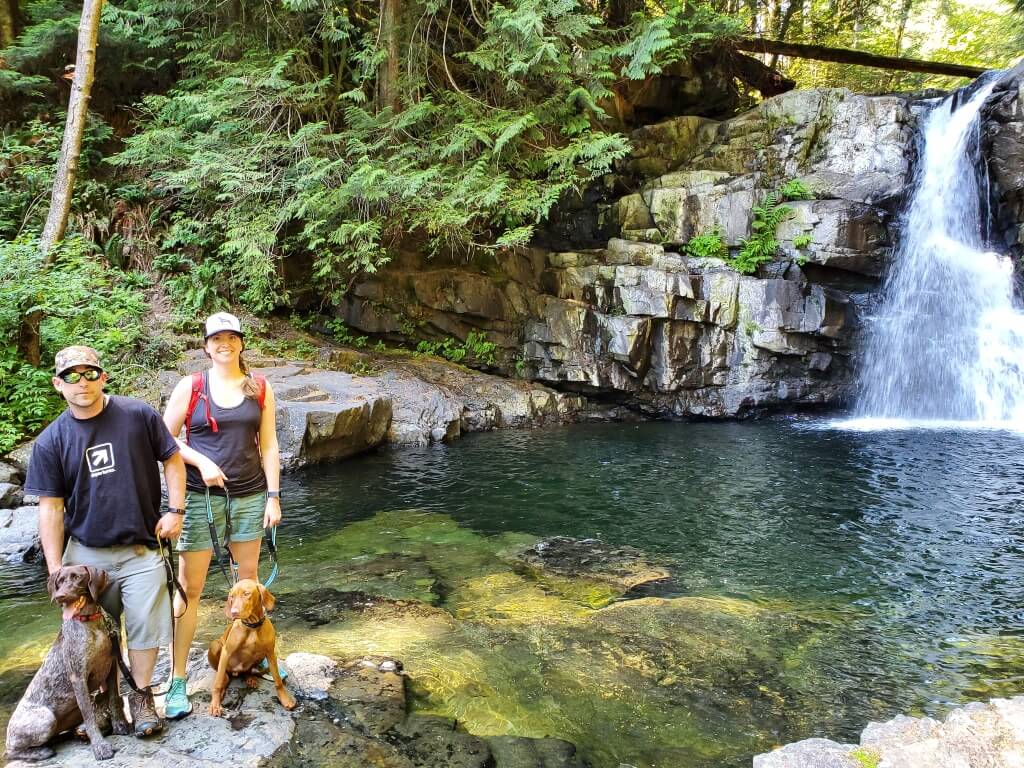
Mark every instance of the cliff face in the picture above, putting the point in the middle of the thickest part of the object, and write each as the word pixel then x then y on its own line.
pixel 611 305
pixel 1003 145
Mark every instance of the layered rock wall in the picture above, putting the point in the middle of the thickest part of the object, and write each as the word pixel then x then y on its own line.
pixel 1003 145
pixel 615 308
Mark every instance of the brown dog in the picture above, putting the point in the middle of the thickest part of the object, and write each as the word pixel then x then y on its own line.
pixel 248 640
pixel 80 661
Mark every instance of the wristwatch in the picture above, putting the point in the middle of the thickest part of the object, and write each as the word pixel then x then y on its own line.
pixel 175 511
pixel 273 494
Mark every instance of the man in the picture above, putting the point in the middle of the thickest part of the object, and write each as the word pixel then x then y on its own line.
pixel 95 472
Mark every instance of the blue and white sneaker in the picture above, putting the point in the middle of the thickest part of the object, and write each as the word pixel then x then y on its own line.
pixel 176 704
pixel 264 669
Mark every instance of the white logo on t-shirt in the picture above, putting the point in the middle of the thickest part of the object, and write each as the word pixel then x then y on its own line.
pixel 101 459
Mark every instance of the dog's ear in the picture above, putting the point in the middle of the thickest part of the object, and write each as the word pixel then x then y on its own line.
pixel 52 581
pixel 267 599
pixel 227 607
pixel 98 582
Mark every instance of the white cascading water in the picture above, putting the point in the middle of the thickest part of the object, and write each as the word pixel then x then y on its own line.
pixel 948 344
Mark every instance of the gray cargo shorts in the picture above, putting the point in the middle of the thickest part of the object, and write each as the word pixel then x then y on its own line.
pixel 138 589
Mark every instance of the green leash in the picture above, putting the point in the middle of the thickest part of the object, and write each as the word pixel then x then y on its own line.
pixel 270 535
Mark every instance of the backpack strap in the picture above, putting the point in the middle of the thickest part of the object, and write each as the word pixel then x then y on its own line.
pixel 198 394
pixel 261 380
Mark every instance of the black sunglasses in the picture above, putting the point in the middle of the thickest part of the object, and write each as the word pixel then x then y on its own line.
pixel 72 377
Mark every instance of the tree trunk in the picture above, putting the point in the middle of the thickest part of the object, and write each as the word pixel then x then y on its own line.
pixel 619 12
pixel 847 56
pixel 783 27
pixel 387 76
pixel 67 165
pixel 8 22
pixel 900 31
pixel 74 128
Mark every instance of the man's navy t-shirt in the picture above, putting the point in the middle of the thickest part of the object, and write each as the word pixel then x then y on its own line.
pixel 105 469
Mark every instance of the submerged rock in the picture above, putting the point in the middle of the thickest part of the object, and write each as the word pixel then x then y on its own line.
pixel 532 649
pixel 579 568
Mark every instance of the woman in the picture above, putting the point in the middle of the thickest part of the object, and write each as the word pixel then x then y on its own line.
pixel 230 452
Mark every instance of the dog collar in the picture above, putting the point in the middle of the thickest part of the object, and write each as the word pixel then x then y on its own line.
pixel 87 617
pixel 254 624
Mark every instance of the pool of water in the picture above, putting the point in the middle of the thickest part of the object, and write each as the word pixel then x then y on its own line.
pixel 821 578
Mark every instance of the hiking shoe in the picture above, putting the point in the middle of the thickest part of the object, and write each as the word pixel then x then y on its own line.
pixel 264 669
pixel 145 720
pixel 177 705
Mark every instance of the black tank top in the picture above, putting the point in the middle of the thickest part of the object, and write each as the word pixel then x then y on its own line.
pixel 233 447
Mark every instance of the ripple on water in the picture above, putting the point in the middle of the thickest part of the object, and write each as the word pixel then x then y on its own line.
pixel 851 575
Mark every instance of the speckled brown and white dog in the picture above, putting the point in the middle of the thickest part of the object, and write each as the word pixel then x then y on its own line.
pixel 80 661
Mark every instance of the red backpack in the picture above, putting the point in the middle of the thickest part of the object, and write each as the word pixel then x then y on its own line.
pixel 198 394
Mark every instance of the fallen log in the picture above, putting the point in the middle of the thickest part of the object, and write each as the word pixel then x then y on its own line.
pixel 760 76
pixel 848 56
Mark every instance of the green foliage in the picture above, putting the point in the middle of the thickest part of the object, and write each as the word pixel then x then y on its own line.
pixel 82 303
pixel 520 367
pixel 265 149
pixel 975 32
pixel 866 757
pixel 761 247
pixel 342 334
pixel 708 245
pixel 802 241
pixel 476 347
pixel 28 157
pixel 794 189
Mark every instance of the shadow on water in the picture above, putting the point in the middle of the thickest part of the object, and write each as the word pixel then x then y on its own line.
pixel 819 579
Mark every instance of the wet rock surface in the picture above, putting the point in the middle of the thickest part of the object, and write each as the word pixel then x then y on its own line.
pixel 19 534
pixel 621 312
pixel 1003 142
pixel 977 735
pixel 350 714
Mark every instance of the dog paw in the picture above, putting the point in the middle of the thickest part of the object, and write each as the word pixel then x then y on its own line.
pixel 253 681
pixel 122 728
pixel 102 750
pixel 215 710
pixel 287 700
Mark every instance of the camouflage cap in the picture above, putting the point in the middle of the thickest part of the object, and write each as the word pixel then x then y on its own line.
pixel 69 357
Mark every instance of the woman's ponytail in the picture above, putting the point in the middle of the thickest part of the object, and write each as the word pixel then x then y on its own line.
pixel 250 387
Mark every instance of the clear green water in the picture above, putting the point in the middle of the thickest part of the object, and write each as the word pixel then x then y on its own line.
pixel 820 579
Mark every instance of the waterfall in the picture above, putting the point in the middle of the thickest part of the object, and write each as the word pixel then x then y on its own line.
pixel 948 342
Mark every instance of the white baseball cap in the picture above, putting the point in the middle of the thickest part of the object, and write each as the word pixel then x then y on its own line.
pixel 223 321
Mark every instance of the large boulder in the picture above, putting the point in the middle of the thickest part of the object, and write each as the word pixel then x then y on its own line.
pixel 352 714
pixel 320 416
pixel 990 735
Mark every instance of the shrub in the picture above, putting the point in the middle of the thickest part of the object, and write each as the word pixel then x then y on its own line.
pixel 82 302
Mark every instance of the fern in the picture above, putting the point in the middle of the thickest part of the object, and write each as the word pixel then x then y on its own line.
pixel 762 246
pixel 708 245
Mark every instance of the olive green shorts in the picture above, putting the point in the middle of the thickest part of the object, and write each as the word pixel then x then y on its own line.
pixel 138 589
pixel 246 513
